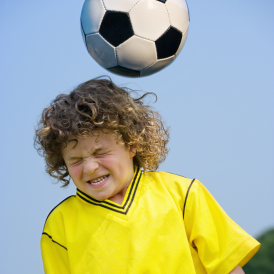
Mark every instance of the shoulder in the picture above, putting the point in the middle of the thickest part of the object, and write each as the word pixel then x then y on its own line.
pixel 176 186
pixel 54 228
pixel 59 210
pixel 170 180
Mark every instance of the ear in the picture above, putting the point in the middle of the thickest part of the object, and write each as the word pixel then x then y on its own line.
pixel 132 152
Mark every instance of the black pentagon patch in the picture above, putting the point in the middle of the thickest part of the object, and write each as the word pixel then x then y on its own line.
pixel 163 1
pixel 116 27
pixel 168 44
pixel 124 71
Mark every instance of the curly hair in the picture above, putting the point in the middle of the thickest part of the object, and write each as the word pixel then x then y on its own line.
pixel 99 104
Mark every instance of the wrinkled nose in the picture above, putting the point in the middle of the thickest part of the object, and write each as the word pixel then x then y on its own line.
pixel 90 166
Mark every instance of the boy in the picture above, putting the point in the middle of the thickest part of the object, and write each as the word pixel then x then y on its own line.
pixel 123 220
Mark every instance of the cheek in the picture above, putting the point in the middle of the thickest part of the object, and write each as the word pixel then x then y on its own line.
pixel 75 172
pixel 117 165
pixel 107 162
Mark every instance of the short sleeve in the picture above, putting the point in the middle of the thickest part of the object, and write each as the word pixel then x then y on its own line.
pixel 54 255
pixel 220 243
pixel 53 243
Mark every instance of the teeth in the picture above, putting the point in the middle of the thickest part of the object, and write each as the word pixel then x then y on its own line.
pixel 98 181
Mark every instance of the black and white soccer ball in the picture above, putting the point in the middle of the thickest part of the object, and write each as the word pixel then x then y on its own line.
pixel 134 38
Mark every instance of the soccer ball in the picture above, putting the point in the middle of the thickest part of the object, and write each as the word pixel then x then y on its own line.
pixel 134 38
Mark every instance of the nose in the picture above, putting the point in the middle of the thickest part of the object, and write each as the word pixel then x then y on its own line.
pixel 90 166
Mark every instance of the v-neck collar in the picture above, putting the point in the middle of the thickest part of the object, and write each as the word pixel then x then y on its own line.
pixel 127 201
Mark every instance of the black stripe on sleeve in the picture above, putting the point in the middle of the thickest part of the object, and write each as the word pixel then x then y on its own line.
pixel 187 196
pixel 53 240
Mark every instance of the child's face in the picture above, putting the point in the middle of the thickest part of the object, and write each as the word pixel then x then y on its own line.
pixel 99 166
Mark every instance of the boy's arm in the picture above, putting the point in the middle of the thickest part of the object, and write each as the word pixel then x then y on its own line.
pixel 237 270
pixel 220 243
pixel 54 255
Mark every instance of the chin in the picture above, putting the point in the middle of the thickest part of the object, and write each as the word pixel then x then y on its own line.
pixel 101 197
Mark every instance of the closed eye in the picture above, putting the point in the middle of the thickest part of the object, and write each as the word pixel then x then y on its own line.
pixel 76 163
pixel 102 154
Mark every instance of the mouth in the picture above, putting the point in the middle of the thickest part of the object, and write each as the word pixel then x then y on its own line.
pixel 98 182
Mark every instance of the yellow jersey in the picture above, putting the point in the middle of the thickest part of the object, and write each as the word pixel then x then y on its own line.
pixel 166 224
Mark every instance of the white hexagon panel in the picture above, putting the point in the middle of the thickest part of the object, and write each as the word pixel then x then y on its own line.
pixel 102 52
pixel 157 66
pixel 120 5
pixel 144 53
pixel 178 14
pixel 91 16
pixel 149 19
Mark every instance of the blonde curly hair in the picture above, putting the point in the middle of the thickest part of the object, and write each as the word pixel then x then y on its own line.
pixel 99 104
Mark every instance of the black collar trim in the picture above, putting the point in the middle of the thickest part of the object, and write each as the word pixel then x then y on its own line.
pixel 112 206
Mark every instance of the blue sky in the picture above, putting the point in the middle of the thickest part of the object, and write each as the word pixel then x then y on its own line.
pixel 217 97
